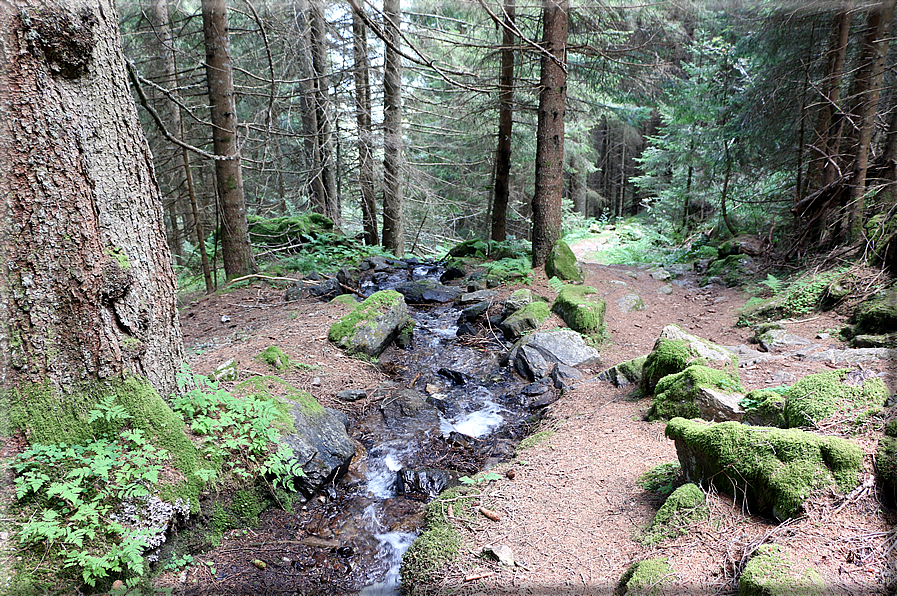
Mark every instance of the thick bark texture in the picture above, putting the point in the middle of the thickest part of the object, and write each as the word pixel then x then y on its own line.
pixel 235 248
pixel 362 71
pixel 828 131
pixel 87 290
pixel 875 53
pixel 393 201
pixel 505 125
pixel 324 133
pixel 550 132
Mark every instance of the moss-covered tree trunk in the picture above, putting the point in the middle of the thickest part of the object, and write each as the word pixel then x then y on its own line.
pixel 550 132
pixel 87 291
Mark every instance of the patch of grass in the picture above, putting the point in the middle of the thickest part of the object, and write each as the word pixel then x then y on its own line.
pixel 533 440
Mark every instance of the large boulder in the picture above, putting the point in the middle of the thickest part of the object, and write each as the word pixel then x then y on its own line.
pixel 427 291
pixel 534 356
pixel 561 263
pixel 845 391
pixel 878 314
pixel 581 308
pixel 371 325
pixel 319 444
pixel 773 469
pixel 524 320
pixel 675 350
pixel 697 392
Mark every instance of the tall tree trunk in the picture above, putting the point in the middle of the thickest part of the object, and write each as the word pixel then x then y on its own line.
pixel 365 132
pixel 235 249
pixel 393 201
pixel 318 196
pixel 87 291
pixel 321 66
pixel 828 130
pixel 876 51
pixel 505 125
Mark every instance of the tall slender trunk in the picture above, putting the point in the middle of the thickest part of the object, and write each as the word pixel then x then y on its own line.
pixel 197 224
pixel 876 50
pixel 321 66
pixel 830 125
pixel 505 125
pixel 724 195
pixel 393 201
pixel 235 248
pixel 550 132
pixel 365 133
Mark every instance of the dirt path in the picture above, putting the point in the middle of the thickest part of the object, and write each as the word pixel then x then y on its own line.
pixel 573 513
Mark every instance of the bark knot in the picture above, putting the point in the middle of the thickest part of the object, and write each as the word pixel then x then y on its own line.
pixel 62 39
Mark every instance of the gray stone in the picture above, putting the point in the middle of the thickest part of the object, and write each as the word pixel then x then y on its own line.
pixel 563 376
pixel 853 356
pixel 502 553
pixel 473 312
pixel 533 355
pixel 374 332
pixel 325 289
pixel 320 444
pixel 661 275
pixel 402 405
pixel 294 292
pixel 666 289
pixel 678 269
pixel 718 405
pixel 478 296
pixel 350 395
pixel 427 291
pixel 780 338
pixel 517 300
pixel 226 371
pixel 625 373
pixel 630 303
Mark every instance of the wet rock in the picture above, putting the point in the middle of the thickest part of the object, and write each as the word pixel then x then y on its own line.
pixel 426 291
pixel 534 389
pixel 375 263
pixel 320 444
pixel 424 484
pixel 478 296
pixel 473 312
pixel 372 325
pixel 454 270
pixel 402 405
pixel 466 328
pixel 456 377
pixel 350 395
pixel 329 288
pixel 226 371
pixel 348 277
pixel 631 303
pixel 546 400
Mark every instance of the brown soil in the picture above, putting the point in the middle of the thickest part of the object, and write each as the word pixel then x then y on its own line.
pixel 573 513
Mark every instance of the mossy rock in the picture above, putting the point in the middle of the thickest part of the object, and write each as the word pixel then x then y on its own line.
pixel 685 505
pixel 275 358
pixel 372 324
pixel 765 407
pixel 887 340
pixel 645 578
pixel 675 350
pixel 821 395
pixel 293 229
pixel 886 469
pixel 775 469
pixel 733 269
pixel 697 392
pixel 517 300
pixel 625 373
pixel 524 320
pixel 346 300
pixel 769 572
pixel 581 308
pixel 878 315
pixel 561 263
pixel 760 309
pixel 470 248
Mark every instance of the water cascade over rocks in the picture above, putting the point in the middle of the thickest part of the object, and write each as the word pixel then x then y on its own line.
pixel 452 409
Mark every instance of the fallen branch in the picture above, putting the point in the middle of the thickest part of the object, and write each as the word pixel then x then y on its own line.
pixel 476 576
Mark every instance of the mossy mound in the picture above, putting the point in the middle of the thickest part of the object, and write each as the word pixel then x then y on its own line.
pixel 765 407
pixel 561 263
pixel 346 300
pixel 482 249
pixel 645 578
pixel 680 394
pixel 581 308
pixel 274 357
pixel 685 505
pixel 821 395
pixel 775 469
pixel 524 320
pixel 878 314
pixel 886 464
pixel 294 229
pixel 733 269
pixel 372 324
pixel 675 350
pixel 770 573
pixel 50 418
pixel 429 555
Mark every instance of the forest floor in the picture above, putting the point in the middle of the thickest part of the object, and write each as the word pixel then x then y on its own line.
pixel 573 514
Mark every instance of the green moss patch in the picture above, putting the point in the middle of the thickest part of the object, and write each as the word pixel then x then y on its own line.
pixel 769 572
pixel 525 319
pixel 672 356
pixel 821 395
pixel 49 417
pixel 675 395
pixel 645 578
pixel 561 263
pixel 277 231
pixel 275 358
pixel 275 390
pixel 346 300
pixel 765 407
pixel 685 505
pixel 662 479
pixel 581 308
pixel 776 469
pixel 733 269
pixel 365 314
pixel 878 314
